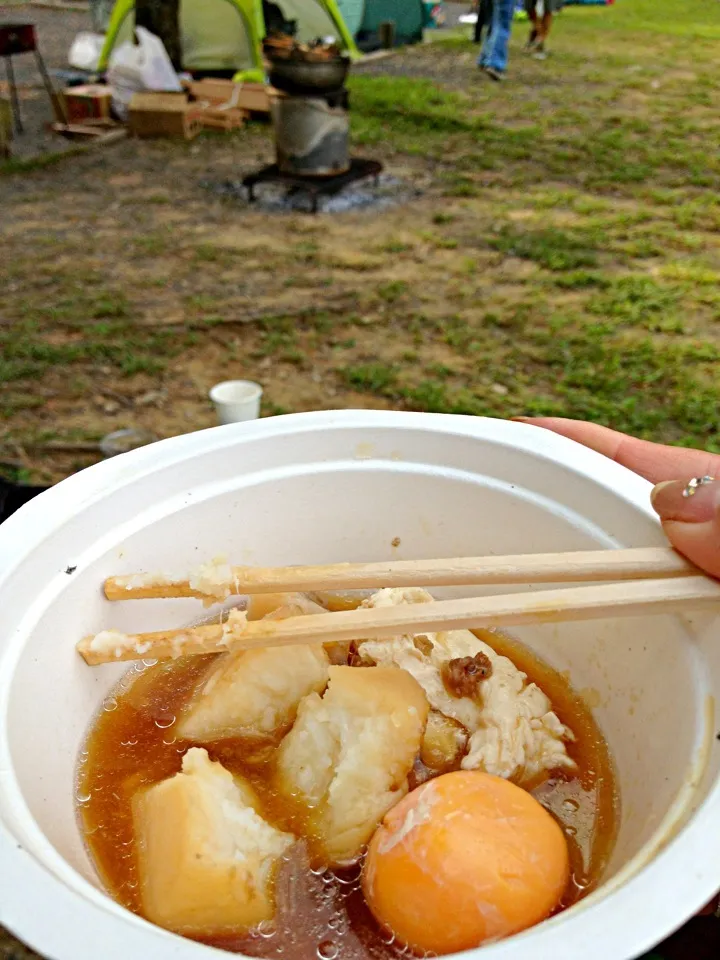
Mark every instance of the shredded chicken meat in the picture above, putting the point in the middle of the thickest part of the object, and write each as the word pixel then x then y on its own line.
pixel 513 732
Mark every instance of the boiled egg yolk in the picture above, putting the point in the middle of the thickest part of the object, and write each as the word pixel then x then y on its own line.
pixel 464 858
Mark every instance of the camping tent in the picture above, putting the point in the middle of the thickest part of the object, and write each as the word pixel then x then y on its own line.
pixel 363 18
pixel 226 35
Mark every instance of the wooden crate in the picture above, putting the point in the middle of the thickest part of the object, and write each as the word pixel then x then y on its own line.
pixel 163 115
pixel 90 101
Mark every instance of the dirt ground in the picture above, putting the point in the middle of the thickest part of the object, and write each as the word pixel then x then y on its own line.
pixel 214 270
pixel 131 286
pixel 196 260
pixel 55 30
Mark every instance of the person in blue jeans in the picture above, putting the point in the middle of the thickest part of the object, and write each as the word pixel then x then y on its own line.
pixel 494 54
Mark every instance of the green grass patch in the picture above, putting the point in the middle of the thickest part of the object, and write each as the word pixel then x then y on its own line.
pixel 26 353
pixel 550 247
pixel 370 377
pixel 636 301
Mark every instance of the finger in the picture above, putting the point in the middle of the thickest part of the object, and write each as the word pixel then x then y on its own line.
pixel 654 461
pixel 690 516
pixel 713 908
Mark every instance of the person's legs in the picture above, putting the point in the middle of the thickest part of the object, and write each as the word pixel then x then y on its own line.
pixel 544 26
pixel 494 53
pixel 486 13
pixel 483 58
pixel 484 17
pixel 550 6
pixel 531 10
pixel 477 36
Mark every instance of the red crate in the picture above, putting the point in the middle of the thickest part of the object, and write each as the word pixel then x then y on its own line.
pixel 17 38
pixel 88 102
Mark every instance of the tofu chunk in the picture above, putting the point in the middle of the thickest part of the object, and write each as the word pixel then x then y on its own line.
pixel 254 693
pixel 280 606
pixel 349 754
pixel 513 732
pixel 207 860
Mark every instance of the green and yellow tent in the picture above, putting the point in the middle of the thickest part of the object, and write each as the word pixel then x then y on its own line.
pixel 227 35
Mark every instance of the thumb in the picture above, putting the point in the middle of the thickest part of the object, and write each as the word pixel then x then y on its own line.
pixel 690 515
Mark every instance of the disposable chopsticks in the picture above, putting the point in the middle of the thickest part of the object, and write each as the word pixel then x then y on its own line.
pixel 639 597
pixel 578 566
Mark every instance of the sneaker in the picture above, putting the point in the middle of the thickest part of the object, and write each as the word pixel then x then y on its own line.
pixel 497 75
pixel 540 53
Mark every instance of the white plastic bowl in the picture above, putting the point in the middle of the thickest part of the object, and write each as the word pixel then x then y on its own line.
pixel 342 486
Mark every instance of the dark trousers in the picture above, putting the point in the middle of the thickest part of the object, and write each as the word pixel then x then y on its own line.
pixel 484 19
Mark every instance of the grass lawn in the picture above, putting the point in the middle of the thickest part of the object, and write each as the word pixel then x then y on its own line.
pixel 563 257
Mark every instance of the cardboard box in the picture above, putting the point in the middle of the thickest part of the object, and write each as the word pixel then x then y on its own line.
pixel 250 97
pixel 163 115
pixel 88 102
pixel 257 97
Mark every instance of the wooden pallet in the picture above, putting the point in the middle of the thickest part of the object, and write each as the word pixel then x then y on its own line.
pixel 252 98
pixel 89 130
pixel 217 118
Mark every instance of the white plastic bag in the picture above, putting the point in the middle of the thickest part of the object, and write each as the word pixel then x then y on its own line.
pixel 145 66
pixel 85 51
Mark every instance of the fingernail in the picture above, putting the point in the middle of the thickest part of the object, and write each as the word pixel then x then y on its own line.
pixel 692 501
pixel 521 419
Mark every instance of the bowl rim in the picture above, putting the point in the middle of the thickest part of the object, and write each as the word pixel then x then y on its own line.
pixel 82 922
pixel 252 392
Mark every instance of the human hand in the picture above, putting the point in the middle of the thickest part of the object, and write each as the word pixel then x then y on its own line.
pixel 691 522
pixel 690 515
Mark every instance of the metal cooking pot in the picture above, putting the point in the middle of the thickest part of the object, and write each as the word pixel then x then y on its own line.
pixel 308 76
pixel 312 139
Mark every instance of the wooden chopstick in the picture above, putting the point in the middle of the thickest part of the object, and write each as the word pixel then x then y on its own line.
pixel 548 606
pixel 632 564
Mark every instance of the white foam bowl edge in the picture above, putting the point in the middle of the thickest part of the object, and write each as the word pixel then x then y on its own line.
pixel 326 487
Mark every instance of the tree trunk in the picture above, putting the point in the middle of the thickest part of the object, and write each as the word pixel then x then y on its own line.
pixel 161 17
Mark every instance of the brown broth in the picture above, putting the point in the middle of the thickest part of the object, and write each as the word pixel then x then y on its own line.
pixel 320 915
pixel 585 802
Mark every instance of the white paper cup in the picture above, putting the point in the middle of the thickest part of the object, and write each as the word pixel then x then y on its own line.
pixel 329 487
pixel 236 400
